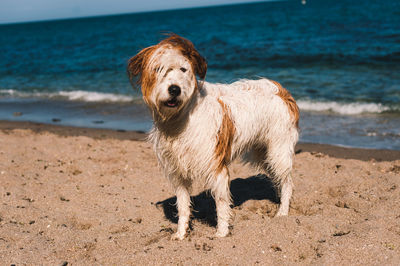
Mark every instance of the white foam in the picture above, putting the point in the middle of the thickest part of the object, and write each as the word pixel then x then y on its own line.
pixel 7 92
pixel 94 96
pixel 342 108
pixel 86 96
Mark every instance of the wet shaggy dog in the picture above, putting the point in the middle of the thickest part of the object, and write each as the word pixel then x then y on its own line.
pixel 200 127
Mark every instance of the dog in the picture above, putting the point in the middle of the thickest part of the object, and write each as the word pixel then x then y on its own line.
pixel 199 128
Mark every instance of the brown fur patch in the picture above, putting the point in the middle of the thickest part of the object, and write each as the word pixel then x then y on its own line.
pixel 136 67
pixel 223 150
pixel 290 102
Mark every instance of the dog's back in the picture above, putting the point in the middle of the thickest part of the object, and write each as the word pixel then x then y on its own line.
pixel 259 111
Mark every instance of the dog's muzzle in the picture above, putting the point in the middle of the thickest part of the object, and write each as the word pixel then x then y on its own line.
pixel 174 91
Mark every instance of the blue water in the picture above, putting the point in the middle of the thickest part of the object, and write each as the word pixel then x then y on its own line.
pixel 339 58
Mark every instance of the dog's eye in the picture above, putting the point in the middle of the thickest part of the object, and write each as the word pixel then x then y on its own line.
pixel 183 69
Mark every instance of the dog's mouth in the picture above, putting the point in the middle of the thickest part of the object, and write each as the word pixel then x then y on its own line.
pixel 172 103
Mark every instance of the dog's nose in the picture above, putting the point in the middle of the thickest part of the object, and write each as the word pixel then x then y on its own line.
pixel 174 90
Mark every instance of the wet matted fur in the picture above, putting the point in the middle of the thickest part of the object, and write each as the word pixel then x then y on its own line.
pixel 200 127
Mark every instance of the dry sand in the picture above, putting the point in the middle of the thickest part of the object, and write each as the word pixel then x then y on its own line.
pixel 85 196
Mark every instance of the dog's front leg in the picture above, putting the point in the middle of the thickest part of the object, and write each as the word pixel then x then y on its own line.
pixel 183 204
pixel 222 196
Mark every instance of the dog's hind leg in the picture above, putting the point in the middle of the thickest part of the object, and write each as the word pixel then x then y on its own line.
pixel 280 160
pixel 286 187
pixel 183 205
pixel 220 191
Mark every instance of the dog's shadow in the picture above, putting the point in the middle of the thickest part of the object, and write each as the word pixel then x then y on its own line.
pixel 203 205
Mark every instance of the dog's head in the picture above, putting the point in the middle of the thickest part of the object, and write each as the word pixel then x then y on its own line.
pixel 166 73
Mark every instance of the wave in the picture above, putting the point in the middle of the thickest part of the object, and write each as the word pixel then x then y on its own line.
pixel 304 105
pixel 95 96
pixel 85 96
pixel 343 108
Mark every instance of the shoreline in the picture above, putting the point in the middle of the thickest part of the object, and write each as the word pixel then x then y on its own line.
pixel 363 154
pixel 368 131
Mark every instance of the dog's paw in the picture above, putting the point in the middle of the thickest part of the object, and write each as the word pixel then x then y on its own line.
pixel 281 213
pixel 178 236
pixel 222 232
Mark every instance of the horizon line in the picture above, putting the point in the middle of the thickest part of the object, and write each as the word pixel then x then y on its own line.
pixel 135 12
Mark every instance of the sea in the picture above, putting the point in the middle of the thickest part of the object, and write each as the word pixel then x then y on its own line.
pixel 340 59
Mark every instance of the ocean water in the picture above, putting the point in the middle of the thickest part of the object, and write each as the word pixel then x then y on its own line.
pixel 339 58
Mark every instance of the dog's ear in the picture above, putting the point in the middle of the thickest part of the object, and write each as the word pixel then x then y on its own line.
pixel 199 64
pixel 187 48
pixel 137 64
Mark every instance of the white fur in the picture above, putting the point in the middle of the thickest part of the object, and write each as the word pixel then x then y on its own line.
pixel 185 137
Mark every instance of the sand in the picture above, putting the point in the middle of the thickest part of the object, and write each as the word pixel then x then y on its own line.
pixel 74 196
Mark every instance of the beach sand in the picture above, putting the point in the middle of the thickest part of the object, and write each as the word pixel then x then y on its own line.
pixel 97 197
